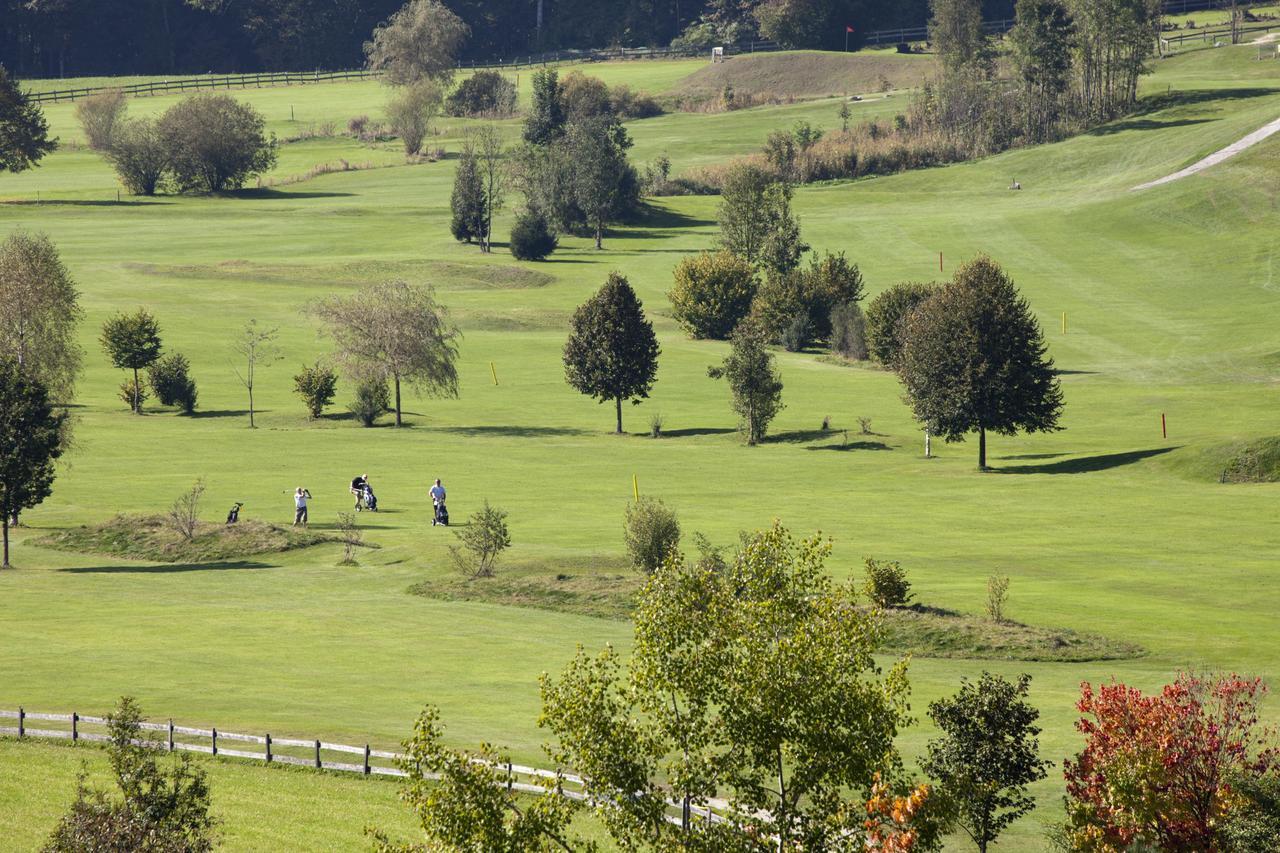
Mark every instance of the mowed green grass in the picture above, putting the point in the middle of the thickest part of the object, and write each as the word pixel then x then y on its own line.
pixel 1105 527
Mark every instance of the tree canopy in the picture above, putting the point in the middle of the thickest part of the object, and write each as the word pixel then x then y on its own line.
pixel 753 379
pixel 612 352
pixel 24 134
pixel 419 42
pixel 132 342
pixel 31 441
pixel 394 331
pixel 39 313
pixel 974 360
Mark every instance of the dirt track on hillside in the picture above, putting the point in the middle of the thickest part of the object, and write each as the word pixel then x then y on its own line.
pixel 1216 157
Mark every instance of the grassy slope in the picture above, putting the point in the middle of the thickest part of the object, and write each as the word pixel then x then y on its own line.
pixel 1170 296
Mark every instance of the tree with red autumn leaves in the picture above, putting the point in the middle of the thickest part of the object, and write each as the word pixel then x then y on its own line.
pixel 1156 770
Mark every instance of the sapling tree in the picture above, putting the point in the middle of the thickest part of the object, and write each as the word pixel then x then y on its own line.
pixel 257 346
pixel 481 541
pixel 754 381
pixel 987 755
pixel 132 342
pixel 316 384
pixel 31 441
pixel 612 352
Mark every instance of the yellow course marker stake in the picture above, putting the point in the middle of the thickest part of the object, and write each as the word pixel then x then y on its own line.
pixel 494 371
pixel 635 487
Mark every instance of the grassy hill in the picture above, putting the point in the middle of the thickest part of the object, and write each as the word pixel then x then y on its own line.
pixel 1170 296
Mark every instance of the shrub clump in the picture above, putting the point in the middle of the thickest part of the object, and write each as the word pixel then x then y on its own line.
pixel 373 400
pixel 485 94
pixel 100 116
pixel 140 155
pixel 887 584
pixel 885 316
pixel 712 293
pixel 651 532
pixel 795 308
pixel 170 380
pixel 316 385
pixel 215 143
pixel 849 331
pixel 410 112
pixel 531 237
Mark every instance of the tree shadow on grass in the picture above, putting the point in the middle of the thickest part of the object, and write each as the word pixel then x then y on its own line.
pixel 799 436
pixel 223 413
pixel 1086 464
pixel 85 202
pixel 1146 124
pixel 219 566
pixel 1188 97
pixel 694 431
pixel 510 431
pixel 853 445
pixel 653 216
pixel 1025 456
pixel 270 193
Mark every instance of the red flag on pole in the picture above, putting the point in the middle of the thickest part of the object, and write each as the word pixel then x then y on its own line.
pixel 848 29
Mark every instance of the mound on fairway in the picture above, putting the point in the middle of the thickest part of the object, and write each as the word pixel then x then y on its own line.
pixel 803 74
pixel 933 633
pixel 149 537
pixel 1255 462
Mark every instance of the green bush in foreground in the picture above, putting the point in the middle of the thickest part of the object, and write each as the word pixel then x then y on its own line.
pixel 482 540
pixel 160 811
pixel 651 532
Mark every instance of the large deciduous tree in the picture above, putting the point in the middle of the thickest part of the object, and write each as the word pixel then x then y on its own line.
pixel 886 316
pixel 132 342
pixel 756 222
pixel 753 379
pixel 752 681
pixel 988 753
pixel 1040 46
pixel 39 312
pixel 612 352
pixel 215 143
pixel 974 360
pixel 31 440
pixel 597 149
pixel 419 42
pixel 24 134
pixel 394 331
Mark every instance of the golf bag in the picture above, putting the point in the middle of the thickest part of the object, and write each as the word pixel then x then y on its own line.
pixel 370 500
pixel 233 516
pixel 442 515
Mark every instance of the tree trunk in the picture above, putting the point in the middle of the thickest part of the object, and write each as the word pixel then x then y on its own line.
pixel 982 448
pixel 251 423
pixel 618 401
pixel 137 393
pixel 599 235
pixel 397 382
pixel 4 522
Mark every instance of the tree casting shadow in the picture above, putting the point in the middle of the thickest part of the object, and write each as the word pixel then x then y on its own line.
pixel 223 413
pixel 1146 124
pixel 221 566
pixel 1087 464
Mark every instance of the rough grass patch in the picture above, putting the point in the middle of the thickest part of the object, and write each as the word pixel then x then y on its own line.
pixel 444 275
pixel 152 538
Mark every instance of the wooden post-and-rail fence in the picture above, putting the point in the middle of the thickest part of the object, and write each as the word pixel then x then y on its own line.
pixel 306 752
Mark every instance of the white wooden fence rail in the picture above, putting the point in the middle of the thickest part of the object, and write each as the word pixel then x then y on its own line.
pixel 518 777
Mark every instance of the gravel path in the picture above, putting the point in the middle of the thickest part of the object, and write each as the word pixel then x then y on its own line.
pixel 1216 157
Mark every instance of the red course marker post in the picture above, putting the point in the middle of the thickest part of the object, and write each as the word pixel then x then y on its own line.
pixel 1164 429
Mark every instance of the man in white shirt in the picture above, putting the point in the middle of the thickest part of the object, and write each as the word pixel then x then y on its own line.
pixel 437 499
pixel 300 498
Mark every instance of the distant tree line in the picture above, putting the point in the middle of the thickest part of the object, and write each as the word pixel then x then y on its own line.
pixel 53 38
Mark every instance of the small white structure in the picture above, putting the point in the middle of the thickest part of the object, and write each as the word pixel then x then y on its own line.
pixel 717 54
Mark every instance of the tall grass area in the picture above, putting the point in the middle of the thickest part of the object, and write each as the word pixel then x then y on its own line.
pixel 1106 528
